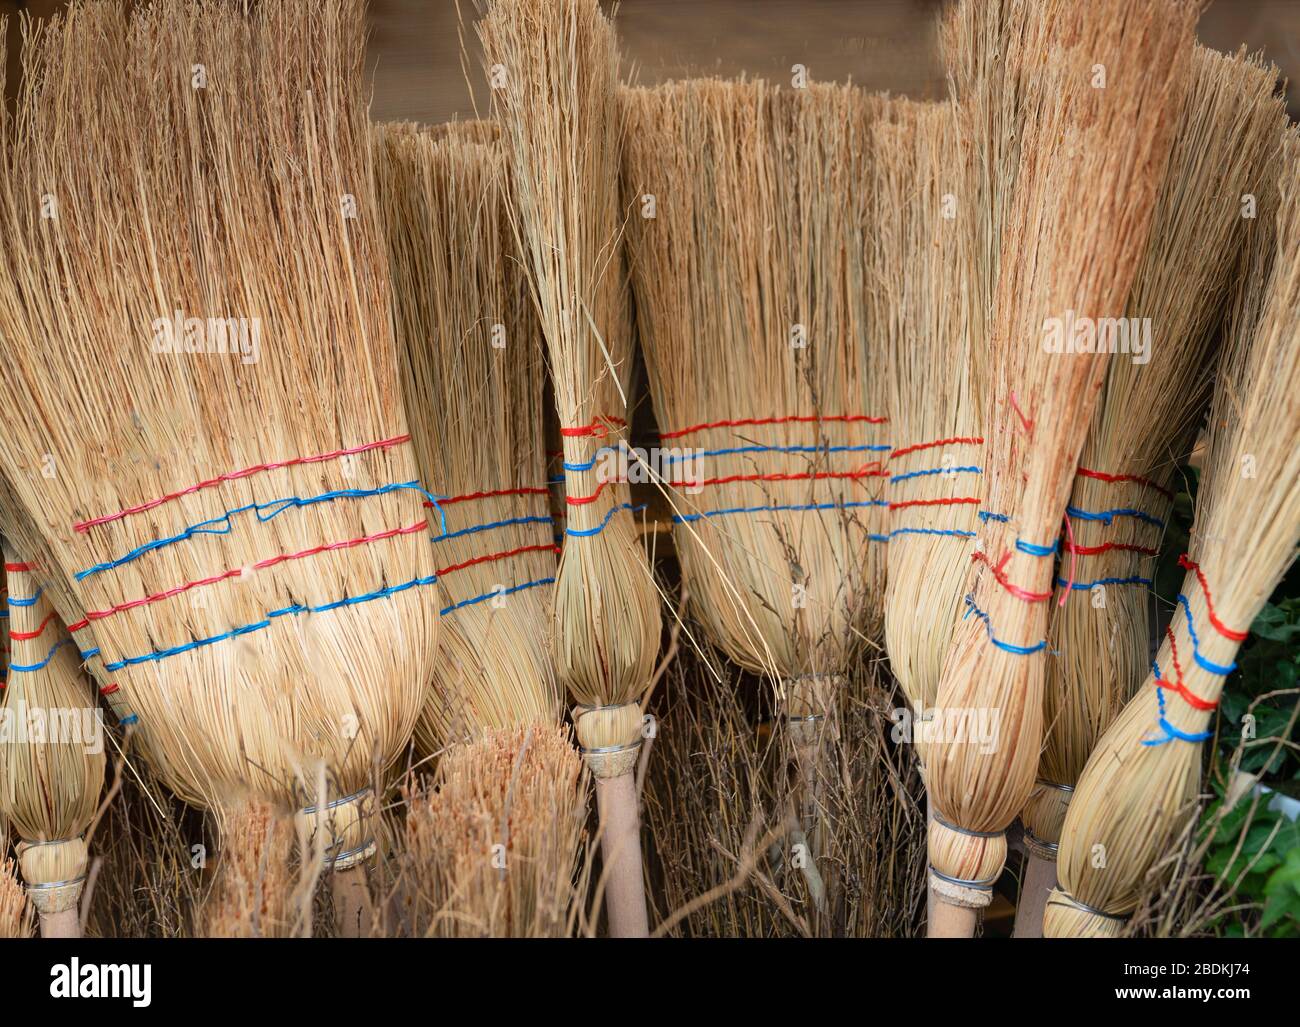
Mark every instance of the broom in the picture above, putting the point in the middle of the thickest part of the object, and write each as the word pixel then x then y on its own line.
pixel 265 478
pixel 758 358
pixel 493 846
pixel 553 66
pixel 1138 789
pixel 1090 162
pixel 1121 494
pixel 924 277
pixel 52 769
pixel 471 361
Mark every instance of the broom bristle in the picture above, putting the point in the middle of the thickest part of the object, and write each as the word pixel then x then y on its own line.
pixel 16 914
pixel 272 487
pixel 52 773
pixel 493 843
pixel 1149 406
pixel 925 273
pixel 472 365
pixel 553 65
pixel 947 182
pixel 1091 160
pixel 1138 787
pixel 254 893
pixel 743 279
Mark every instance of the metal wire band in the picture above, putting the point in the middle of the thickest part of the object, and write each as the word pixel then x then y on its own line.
pixel 596 709
pixel 1053 784
pixel 56 884
pixel 1064 897
pixel 61 841
pixel 1035 840
pixel 969 834
pixel 986 885
pixel 335 803
pixel 608 750
pixel 349 853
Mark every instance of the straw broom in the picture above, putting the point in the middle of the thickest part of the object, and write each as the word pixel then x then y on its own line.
pixel 924 281
pixel 758 361
pixel 944 182
pixel 494 843
pixel 1138 789
pixel 15 911
pixel 1121 493
pixel 52 770
pixel 471 360
pixel 1090 164
pixel 553 65
pixel 274 494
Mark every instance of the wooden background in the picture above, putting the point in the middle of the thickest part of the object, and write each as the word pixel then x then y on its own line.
pixel 880 44
pixel 415 45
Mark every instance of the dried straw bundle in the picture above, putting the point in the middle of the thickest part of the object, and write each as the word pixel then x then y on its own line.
pixel 749 278
pixel 15 911
pixel 58 591
pixel 254 892
pixel 553 65
pixel 945 183
pixel 52 764
pixel 1139 786
pixel 491 843
pixel 1149 407
pixel 272 487
pixel 1091 161
pixel 925 276
pixel 473 370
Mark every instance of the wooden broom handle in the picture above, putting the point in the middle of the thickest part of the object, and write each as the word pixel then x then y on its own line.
pixel 64 924
pixel 353 911
pixel 1039 880
pixel 620 848
pixel 949 921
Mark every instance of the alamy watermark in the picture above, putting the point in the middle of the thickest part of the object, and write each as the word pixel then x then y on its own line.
pixel 683 467
pixel 962 725
pixel 21 724
pixel 1071 334
pixel 220 336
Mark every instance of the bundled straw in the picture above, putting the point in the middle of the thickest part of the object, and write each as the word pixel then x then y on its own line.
pixel 15 912
pixel 491 845
pixel 1091 161
pixel 923 260
pixel 553 65
pixel 1150 406
pixel 749 286
pixel 254 892
pixel 473 367
pixel 52 765
pixel 1138 789
pixel 239 514
pixel 944 183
